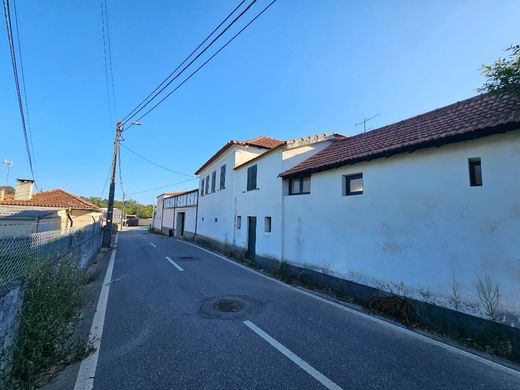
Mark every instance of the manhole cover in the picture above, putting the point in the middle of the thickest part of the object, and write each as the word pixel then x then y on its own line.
pixel 228 305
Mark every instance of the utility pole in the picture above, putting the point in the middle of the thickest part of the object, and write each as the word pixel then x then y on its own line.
pixel 107 237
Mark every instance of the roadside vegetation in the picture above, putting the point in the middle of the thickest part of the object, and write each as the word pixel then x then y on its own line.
pixel 47 333
pixel 131 207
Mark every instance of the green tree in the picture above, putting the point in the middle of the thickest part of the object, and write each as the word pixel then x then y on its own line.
pixel 504 74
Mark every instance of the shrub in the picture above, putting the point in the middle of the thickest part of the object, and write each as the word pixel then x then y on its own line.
pixel 396 307
pixel 52 303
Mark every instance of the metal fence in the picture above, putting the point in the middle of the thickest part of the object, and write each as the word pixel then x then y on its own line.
pixel 18 254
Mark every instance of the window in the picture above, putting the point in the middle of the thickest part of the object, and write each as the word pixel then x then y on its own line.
pixel 202 188
pixel 213 180
pixel 239 222
pixel 216 219
pixel 267 224
pixel 300 186
pixel 353 184
pixel 222 177
pixel 251 178
pixel 207 185
pixel 475 172
pixel 202 219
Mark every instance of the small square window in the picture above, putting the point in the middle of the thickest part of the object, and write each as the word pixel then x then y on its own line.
pixel 300 186
pixel 267 224
pixel 202 218
pixel 239 222
pixel 216 219
pixel 475 172
pixel 353 184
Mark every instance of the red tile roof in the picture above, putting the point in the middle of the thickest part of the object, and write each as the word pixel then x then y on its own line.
pixel 476 117
pixel 55 199
pixel 259 142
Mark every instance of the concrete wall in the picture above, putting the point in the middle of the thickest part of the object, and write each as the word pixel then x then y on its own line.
pixel 14 227
pixel 419 225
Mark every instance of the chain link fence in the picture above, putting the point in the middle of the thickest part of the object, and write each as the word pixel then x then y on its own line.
pixel 18 254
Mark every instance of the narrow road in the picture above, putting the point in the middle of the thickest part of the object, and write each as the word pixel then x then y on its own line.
pixel 163 330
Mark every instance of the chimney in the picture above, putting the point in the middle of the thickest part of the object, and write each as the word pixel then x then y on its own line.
pixel 23 189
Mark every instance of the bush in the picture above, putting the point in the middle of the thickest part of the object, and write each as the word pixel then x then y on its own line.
pixel 52 303
pixel 399 308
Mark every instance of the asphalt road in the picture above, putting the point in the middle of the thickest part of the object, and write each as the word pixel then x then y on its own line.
pixel 163 331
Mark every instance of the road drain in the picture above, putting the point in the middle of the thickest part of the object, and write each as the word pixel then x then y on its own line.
pixel 229 305
pixel 187 258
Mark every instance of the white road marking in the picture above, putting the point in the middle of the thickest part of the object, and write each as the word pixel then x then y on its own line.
pixel 295 359
pixel 152 244
pixel 392 326
pixel 117 237
pixel 174 263
pixel 87 370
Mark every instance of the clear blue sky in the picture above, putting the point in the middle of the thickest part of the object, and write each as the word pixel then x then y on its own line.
pixel 304 67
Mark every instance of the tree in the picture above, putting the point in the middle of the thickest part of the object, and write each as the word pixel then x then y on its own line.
pixel 504 74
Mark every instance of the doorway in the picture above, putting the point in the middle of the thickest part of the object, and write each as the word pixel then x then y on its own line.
pixel 179 232
pixel 251 238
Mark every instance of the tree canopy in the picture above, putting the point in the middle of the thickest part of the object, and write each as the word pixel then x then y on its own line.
pixel 131 207
pixel 504 74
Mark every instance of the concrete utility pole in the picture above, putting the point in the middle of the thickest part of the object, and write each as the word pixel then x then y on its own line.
pixel 107 237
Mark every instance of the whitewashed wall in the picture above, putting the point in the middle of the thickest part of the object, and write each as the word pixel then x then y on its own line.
pixel 216 210
pixel 267 200
pixel 418 223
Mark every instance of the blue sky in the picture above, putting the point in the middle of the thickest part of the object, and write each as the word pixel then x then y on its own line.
pixel 304 67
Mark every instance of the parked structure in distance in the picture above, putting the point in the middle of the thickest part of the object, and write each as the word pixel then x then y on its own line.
pixel 176 214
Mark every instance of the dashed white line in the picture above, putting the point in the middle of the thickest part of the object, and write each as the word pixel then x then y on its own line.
pixel 87 370
pixel 174 263
pixel 152 244
pixel 380 321
pixel 294 358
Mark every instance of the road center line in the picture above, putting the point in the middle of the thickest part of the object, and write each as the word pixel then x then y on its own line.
pixel 152 244
pixel 87 370
pixel 174 263
pixel 295 359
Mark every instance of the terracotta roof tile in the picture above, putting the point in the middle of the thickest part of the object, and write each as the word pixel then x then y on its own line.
pixel 260 142
pixel 472 118
pixel 54 198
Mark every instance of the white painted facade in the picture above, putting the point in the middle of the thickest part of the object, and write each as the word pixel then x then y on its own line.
pixel 216 208
pixel 419 225
pixel 176 214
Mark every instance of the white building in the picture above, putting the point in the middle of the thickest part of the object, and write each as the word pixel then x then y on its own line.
pixel 422 207
pixel 176 214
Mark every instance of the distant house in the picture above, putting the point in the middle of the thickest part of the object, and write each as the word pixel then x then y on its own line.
pixel 72 210
pixel 117 216
pixel 176 214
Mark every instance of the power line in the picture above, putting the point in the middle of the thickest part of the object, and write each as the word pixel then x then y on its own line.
pixel 190 63
pixel 120 174
pixel 107 51
pixel 165 186
pixel 184 61
pixel 204 63
pixel 17 81
pixel 154 163
pixel 105 185
pixel 23 84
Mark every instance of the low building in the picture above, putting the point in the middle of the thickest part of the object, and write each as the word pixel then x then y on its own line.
pixel 426 207
pixel 72 210
pixel 176 214
pixel 16 221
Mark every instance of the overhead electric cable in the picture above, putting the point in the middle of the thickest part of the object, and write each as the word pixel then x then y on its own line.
pixel 107 51
pixel 190 63
pixel 204 63
pixel 17 82
pixel 154 163
pixel 165 186
pixel 184 61
pixel 24 85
